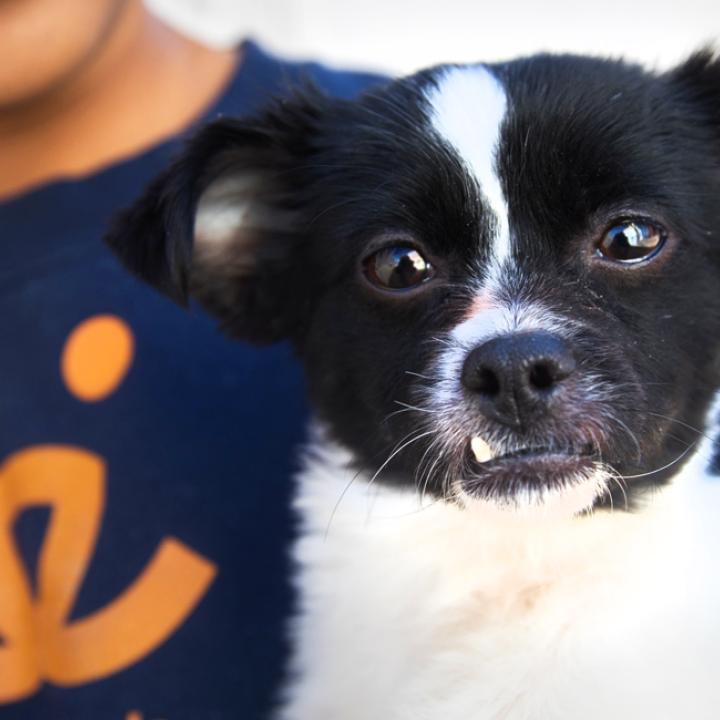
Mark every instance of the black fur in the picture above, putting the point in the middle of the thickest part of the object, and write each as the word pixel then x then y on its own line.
pixel 585 142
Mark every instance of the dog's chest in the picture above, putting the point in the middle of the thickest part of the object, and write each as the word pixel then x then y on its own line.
pixel 411 611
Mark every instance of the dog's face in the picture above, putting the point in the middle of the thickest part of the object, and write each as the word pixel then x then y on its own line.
pixel 503 281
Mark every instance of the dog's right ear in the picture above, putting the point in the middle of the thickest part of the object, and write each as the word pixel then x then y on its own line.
pixel 699 80
pixel 224 222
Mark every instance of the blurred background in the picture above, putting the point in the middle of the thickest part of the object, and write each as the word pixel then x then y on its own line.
pixel 402 35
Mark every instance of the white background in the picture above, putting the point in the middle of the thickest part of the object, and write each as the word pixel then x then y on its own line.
pixel 402 35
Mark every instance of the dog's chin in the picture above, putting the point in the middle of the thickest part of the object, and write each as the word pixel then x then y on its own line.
pixel 532 481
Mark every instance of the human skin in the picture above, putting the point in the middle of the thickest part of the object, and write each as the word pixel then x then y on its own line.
pixel 85 84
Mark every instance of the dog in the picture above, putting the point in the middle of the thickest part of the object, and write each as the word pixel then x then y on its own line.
pixel 503 282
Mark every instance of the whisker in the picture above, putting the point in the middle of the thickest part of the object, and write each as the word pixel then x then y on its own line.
pixel 664 467
pixel 618 479
pixel 418 375
pixel 443 341
pixel 396 412
pixel 393 453
pixel 630 434
pixel 702 433
pixel 429 474
pixel 420 465
pixel 414 407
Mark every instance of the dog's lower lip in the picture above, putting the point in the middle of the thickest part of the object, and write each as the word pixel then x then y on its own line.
pixel 539 467
pixel 524 454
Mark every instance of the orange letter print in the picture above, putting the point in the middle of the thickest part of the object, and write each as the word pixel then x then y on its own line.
pixel 37 643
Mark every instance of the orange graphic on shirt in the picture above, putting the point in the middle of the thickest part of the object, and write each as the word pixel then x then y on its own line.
pixel 37 641
pixel 97 355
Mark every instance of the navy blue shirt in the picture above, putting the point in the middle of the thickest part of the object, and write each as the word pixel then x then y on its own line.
pixel 145 467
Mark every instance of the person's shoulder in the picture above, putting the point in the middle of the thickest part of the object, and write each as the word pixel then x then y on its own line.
pixel 262 75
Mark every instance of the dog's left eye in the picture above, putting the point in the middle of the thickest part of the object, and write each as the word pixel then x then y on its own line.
pixel 397 268
pixel 631 241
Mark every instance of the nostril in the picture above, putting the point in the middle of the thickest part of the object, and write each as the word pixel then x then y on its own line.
pixel 488 382
pixel 542 376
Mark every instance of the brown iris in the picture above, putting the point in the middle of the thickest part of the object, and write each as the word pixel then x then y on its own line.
pixel 397 268
pixel 631 241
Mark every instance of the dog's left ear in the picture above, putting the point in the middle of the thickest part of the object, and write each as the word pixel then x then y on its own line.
pixel 224 222
pixel 699 79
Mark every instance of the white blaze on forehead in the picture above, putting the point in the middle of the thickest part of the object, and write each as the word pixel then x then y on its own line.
pixel 468 106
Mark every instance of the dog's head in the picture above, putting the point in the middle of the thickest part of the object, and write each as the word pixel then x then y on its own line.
pixel 503 281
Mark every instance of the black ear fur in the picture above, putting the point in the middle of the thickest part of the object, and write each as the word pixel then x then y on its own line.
pixel 154 238
pixel 699 80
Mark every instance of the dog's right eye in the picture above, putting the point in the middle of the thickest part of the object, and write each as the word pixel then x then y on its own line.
pixel 397 268
pixel 631 241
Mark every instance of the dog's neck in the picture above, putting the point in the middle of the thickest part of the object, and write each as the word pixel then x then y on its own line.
pixel 401 595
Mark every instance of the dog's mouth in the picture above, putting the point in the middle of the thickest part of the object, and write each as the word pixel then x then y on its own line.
pixel 526 470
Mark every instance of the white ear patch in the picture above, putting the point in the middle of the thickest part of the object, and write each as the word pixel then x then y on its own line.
pixel 230 216
pixel 468 106
pixel 222 211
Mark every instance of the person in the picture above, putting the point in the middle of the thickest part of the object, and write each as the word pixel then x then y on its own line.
pixel 145 461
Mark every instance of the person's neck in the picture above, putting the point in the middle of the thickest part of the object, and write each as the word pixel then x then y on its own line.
pixel 145 84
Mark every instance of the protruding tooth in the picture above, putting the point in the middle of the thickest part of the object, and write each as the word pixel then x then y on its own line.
pixel 481 450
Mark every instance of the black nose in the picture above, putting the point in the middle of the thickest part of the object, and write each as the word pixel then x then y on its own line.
pixel 515 376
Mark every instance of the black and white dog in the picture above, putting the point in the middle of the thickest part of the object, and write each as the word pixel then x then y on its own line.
pixel 504 284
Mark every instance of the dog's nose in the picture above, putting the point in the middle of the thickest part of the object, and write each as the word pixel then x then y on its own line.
pixel 514 376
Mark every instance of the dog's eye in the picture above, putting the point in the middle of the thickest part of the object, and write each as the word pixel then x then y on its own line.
pixel 631 241
pixel 397 268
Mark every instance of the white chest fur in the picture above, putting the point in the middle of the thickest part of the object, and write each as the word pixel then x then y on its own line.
pixel 413 611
